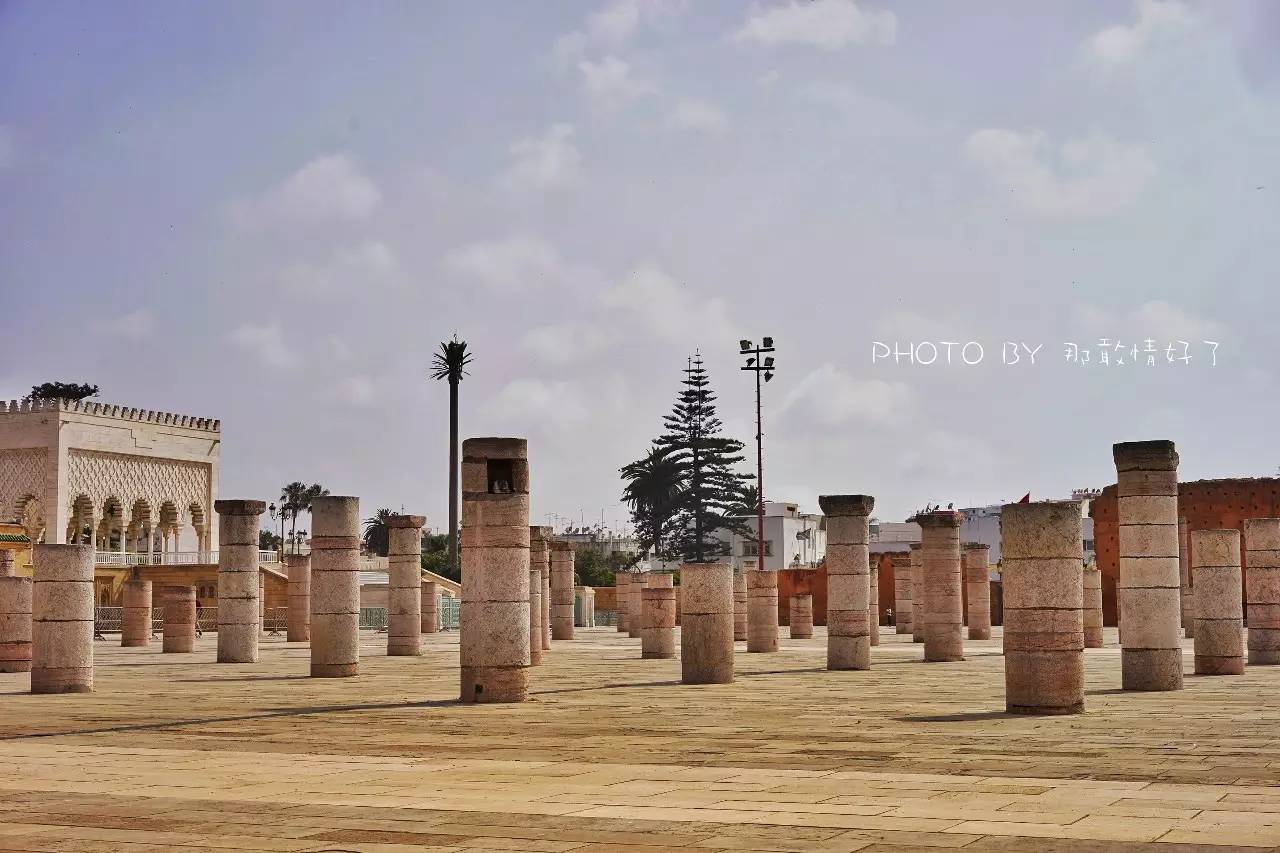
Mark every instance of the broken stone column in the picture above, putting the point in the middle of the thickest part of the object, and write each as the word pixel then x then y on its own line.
pixel 15 617
pixel 335 586
pixel 706 623
pixel 582 615
pixel 496 631
pixel 902 588
pixel 1092 606
pixel 1188 609
pixel 739 607
pixel 430 608
pixel 873 603
pixel 801 619
pixel 1262 556
pixel 635 621
pixel 943 607
pixel 918 602
pixel 1215 572
pixel 977 580
pixel 1149 587
pixel 561 590
pixel 238 617
pixel 178 635
pixel 135 617
pixel 62 619
pixel 404 585
pixel 658 612
pixel 762 610
pixel 620 581
pixel 848 584
pixel 298 616
pixel 539 555
pixel 1042 555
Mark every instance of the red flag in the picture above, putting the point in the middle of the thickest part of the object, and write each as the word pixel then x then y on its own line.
pixel 1026 499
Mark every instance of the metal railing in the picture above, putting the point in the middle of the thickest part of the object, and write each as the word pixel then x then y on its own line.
pixel 172 558
pixel 447 608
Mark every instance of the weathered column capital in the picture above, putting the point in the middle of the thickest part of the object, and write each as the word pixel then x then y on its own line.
pixel 1158 455
pixel 401 521
pixel 846 504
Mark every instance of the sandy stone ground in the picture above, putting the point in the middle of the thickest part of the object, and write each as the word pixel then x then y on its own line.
pixel 613 755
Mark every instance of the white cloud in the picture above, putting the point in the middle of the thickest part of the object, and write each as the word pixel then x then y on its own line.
pixel 829 397
pixel 615 23
pixel 1159 319
pixel 564 343
pixel 825 24
pixel 329 188
pixel 568 50
pixel 1085 177
pixel 1157 21
pixel 8 146
pixel 668 308
pixel 526 402
pixel 136 324
pixel 358 391
pixel 266 342
pixel 610 81
pixel 348 270
pixel 547 162
pixel 513 263
pixel 690 114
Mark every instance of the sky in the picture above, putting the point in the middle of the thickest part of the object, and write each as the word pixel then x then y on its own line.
pixel 273 213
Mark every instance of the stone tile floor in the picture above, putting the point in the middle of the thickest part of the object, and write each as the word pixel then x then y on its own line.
pixel 613 755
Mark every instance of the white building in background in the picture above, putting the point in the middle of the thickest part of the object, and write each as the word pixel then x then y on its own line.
pixel 792 539
pixel 982 524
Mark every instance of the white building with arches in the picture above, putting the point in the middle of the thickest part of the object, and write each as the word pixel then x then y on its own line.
pixel 138 485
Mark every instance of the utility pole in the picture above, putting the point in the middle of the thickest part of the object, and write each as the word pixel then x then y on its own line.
pixel 759 366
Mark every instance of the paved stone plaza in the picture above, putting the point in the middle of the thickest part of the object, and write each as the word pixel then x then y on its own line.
pixel 614 754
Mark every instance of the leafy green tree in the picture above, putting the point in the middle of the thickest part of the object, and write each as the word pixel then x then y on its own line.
pixel 652 492
pixel 377 534
pixel 268 541
pixel 591 567
pixel 63 391
pixel 451 363
pixel 435 555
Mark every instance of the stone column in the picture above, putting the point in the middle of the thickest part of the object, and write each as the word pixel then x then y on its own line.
pixel 918 602
pixel 873 603
pixel 706 623
pixel 561 590
pixel 1184 581
pixel 620 581
pixel 848 584
pixel 977 580
pixel 430 608
pixel 404 585
pixel 496 632
pixel 1262 556
pixel 545 621
pixel 262 602
pixel 635 621
pixel 238 619
pixel 591 606
pixel 15 618
pixel 739 607
pixel 801 619
pixel 298 617
pixel 582 595
pixel 335 586
pixel 1149 586
pixel 943 608
pixel 902 584
pixel 762 610
pixel 658 612
pixel 539 555
pixel 62 619
pixel 1215 572
pixel 1041 556
pixel 1092 606
pixel 179 633
pixel 135 618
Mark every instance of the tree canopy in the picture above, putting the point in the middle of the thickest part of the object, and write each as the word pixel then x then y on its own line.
pixel 63 391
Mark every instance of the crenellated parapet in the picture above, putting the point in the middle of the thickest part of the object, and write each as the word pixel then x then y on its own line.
pixel 109 410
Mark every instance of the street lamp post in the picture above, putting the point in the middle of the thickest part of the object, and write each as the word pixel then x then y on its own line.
pixel 280 513
pixel 759 365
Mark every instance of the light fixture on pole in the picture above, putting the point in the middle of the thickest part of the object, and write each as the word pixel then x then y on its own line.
pixel 760 364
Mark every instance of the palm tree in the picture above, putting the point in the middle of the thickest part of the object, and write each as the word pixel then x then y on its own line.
pixel 376 537
pixel 451 363
pixel 653 493
pixel 297 498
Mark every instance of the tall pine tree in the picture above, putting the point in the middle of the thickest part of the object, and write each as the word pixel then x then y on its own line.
pixel 712 493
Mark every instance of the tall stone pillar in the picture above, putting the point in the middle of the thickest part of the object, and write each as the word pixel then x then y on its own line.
pixel 430 608
pixel 1092 606
pixel 739 607
pixel 658 612
pixel 1041 558
pixel 404 585
pixel 918 601
pixel 1149 585
pixel 873 603
pixel 62 619
pixel 706 623
pixel 238 619
pixel 801 618
pixel 335 586
pixel 943 609
pixel 135 618
pixel 495 634
pixel 262 602
pixel 977 579
pixel 561 590
pixel 1215 572
pixel 545 621
pixel 15 617
pixel 762 610
pixel 620 582
pixel 298 617
pixel 635 620
pixel 582 606
pixel 591 606
pixel 539 556
pixel 1188 609
pixel 1262 556
pixel 848 584
pixel 902 584
pixel 179 632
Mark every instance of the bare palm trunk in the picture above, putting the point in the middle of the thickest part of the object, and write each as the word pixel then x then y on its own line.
pixel 453 477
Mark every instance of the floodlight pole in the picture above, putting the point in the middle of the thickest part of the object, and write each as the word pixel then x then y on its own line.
pixel 757 365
